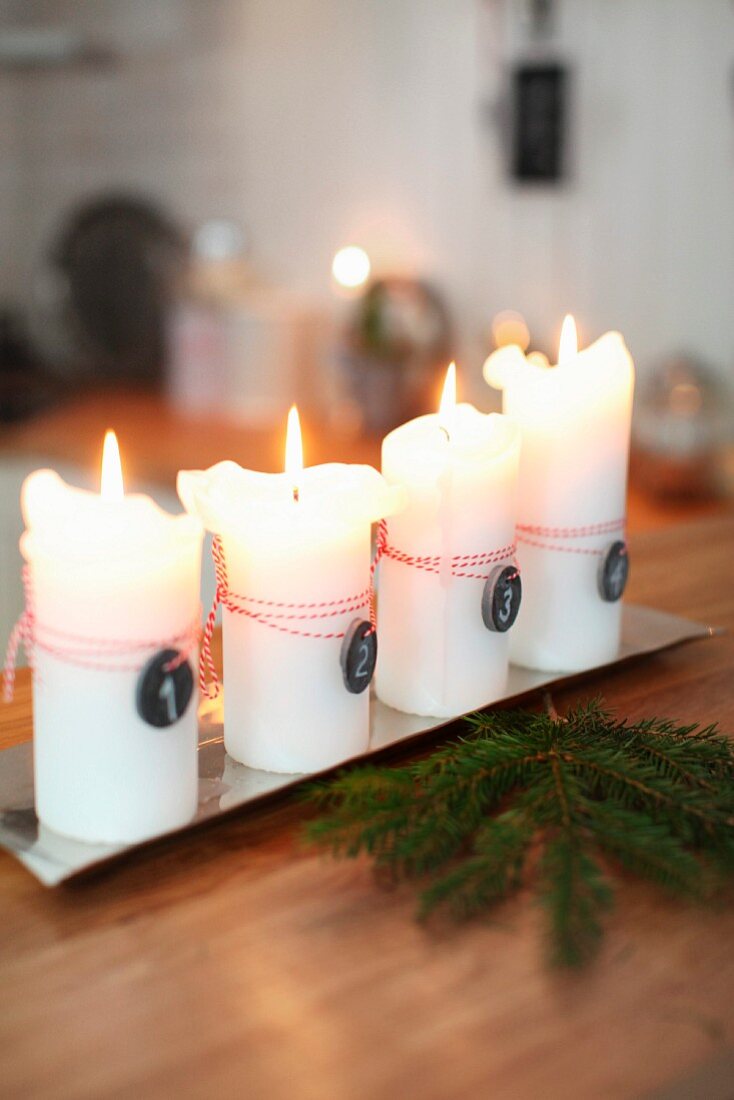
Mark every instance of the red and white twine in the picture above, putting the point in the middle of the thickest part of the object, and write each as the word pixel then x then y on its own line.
pixel 288 618
pixel 97 654
pixel 557 538
pixel 472 566
pixel 304 620
pixel 294 618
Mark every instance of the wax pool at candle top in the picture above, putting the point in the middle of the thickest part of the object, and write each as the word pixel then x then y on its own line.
pixel 575 424
pixel 333 495
pixel 462 437
pixel 97 563
pixel 77 524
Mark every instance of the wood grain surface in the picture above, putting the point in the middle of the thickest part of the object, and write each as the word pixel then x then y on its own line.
pixel 232 962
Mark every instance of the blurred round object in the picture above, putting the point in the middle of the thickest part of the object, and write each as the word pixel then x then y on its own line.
pixel 100 305
pixel 510 327
pixel 501 364
pixel 396 344
pixel 218 268
pixel 351 267
pixel 680 428
pixel 220 239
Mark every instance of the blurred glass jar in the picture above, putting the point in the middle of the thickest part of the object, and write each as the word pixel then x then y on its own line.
pixel 681 426
pixel 235 342
pixel 393 350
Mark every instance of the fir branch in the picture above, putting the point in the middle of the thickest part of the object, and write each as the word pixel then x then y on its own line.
pixel 490 872
pixel 652 797
pixel 647 848
pixel 574 892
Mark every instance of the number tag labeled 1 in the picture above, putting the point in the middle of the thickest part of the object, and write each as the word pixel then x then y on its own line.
pixel 359 656
pixel 164 689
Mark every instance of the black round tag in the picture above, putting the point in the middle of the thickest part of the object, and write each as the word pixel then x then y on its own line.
pixel 501 598
pixel 614 571
pixel 164 693
pixel 359 656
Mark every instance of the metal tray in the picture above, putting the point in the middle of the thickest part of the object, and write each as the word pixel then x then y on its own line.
pixel 224 785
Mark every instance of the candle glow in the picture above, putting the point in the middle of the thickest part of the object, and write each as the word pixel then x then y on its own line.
pixel 568 346
pixel 294 450
pixel 111 486
pixel 447 407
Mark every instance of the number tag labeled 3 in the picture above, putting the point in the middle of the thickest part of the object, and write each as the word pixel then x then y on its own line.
pixel 164 689
pixel 359 656
pixel 501 598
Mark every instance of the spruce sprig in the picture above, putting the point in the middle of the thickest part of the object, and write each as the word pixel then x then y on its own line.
pixel 586 793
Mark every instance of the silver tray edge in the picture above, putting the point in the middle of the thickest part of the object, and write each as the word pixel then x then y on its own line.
pixel 225 786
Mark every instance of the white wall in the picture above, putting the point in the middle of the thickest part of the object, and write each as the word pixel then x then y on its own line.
pixel 324 121
pixel 643 238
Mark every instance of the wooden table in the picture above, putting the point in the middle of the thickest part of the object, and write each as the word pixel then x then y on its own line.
pixel 157 441
pixel 234 963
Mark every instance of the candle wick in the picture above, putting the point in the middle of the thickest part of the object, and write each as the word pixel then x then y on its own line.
pixel 296 494
pixel 445 432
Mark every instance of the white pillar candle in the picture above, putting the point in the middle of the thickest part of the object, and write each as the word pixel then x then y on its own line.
pixel 575 425
pixel 437 656
pixel 297 552
pixel 112 580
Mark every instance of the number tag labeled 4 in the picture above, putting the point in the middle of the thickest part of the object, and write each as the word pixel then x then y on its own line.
pixel 613 571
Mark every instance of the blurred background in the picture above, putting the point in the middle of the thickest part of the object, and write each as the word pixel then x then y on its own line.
pixel 211 209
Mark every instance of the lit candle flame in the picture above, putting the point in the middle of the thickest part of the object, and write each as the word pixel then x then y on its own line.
pixel 569 343
pixel 111 487
pixel 448 401
pixel 294 450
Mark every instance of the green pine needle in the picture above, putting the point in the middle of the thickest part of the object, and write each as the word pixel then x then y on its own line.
pixel 586 794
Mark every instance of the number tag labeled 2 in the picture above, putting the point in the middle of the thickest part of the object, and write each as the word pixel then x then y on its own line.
pixel 359 656
pixel 164 689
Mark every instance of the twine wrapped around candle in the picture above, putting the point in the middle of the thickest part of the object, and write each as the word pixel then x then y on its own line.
pixel 98 654
pixel 461 565
pixel 555 537
pixel 285 617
